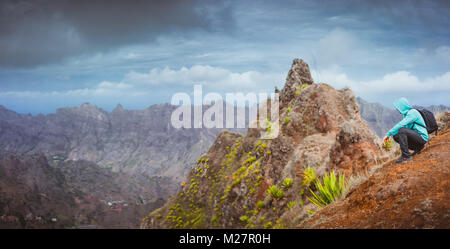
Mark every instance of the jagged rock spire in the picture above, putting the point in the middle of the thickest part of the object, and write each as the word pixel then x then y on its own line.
pixel 298 75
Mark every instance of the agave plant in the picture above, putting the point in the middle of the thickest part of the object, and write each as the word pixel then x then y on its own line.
pixel 331 189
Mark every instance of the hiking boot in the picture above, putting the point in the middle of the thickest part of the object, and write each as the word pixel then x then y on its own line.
pixel 417 151
pixel 403 159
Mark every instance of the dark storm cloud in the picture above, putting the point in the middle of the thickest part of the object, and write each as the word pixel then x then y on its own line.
pixel 44 31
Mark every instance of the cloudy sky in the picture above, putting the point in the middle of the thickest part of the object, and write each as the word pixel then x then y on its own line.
pixel 138 53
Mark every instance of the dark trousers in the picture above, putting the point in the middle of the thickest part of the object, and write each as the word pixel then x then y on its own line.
pixel 409 140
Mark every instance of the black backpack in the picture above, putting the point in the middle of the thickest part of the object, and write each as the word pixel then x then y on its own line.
pixel 430 121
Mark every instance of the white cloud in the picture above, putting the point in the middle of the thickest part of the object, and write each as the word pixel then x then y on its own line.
pixel 431 90
pixel 105 89
pixel 337 47
pixel 216 77
pixel 138 84
pixel 443 52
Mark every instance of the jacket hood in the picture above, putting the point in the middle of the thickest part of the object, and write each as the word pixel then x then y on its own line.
pixel 402 105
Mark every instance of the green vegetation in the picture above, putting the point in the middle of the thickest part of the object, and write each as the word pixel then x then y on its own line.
pixel 260 146
pixel 268 225
pixel 331 189
pixel 275 192
pixel 260 204
pixel 287 120
pixel 291 204
pixel 244 218
pixel 288 109
pixel 309 175
pixel 387 144
pixel 300 87
pixel 287 182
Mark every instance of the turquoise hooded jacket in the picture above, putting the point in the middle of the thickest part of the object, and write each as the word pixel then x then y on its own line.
pixel 409 117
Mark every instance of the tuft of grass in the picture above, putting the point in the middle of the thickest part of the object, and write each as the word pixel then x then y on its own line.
pixel 287 120
pixel 244 218
pixel 291 204
pixel 331 189
pixel 260 204
pixel 309 176
pixel 268 225
pixel 275 192
pixel 288 109
pixel 287 182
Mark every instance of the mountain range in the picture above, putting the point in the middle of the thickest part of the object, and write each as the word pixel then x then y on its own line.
pixel 86 167
pixel 123 157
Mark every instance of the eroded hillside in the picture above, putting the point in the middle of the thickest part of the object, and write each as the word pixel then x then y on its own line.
pixel 414 194
pixel 320 127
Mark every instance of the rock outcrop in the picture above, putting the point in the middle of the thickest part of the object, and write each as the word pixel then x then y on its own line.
pixel 320 127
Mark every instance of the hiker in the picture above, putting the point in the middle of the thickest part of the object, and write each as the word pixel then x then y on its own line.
pixel 410 132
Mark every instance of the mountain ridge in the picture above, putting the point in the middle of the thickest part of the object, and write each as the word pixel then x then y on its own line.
pixel 319 127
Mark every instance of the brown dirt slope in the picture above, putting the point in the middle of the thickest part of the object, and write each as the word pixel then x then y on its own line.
pixel 414 194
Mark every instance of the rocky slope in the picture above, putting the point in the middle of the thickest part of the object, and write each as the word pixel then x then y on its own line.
pixel 33 194
pixel 320 127
pixel 414 194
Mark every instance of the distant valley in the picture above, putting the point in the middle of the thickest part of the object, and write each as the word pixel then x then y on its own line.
pixel 86 167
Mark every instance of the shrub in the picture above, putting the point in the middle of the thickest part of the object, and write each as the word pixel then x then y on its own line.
pixel 291 204
pixel 309 175
pixel 275 192
pixel 387 144
pixel 331 189
pixel 287 182
pixel 244 218
pixel 268 225
pixel 287 120
pixel 260 204
pixel 288 109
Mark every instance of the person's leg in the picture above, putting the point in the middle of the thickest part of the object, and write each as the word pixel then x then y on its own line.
pixel 402 139
pixel 415 140
pixel 408 139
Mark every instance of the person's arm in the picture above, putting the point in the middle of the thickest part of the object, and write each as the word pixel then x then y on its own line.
pixel 403 123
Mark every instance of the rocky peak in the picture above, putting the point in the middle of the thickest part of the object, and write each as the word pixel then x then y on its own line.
pixel 6 114
pixel 118 109
pixel 320 127
pixel 298 75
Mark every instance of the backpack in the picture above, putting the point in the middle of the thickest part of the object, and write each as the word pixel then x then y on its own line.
pixel 430 121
